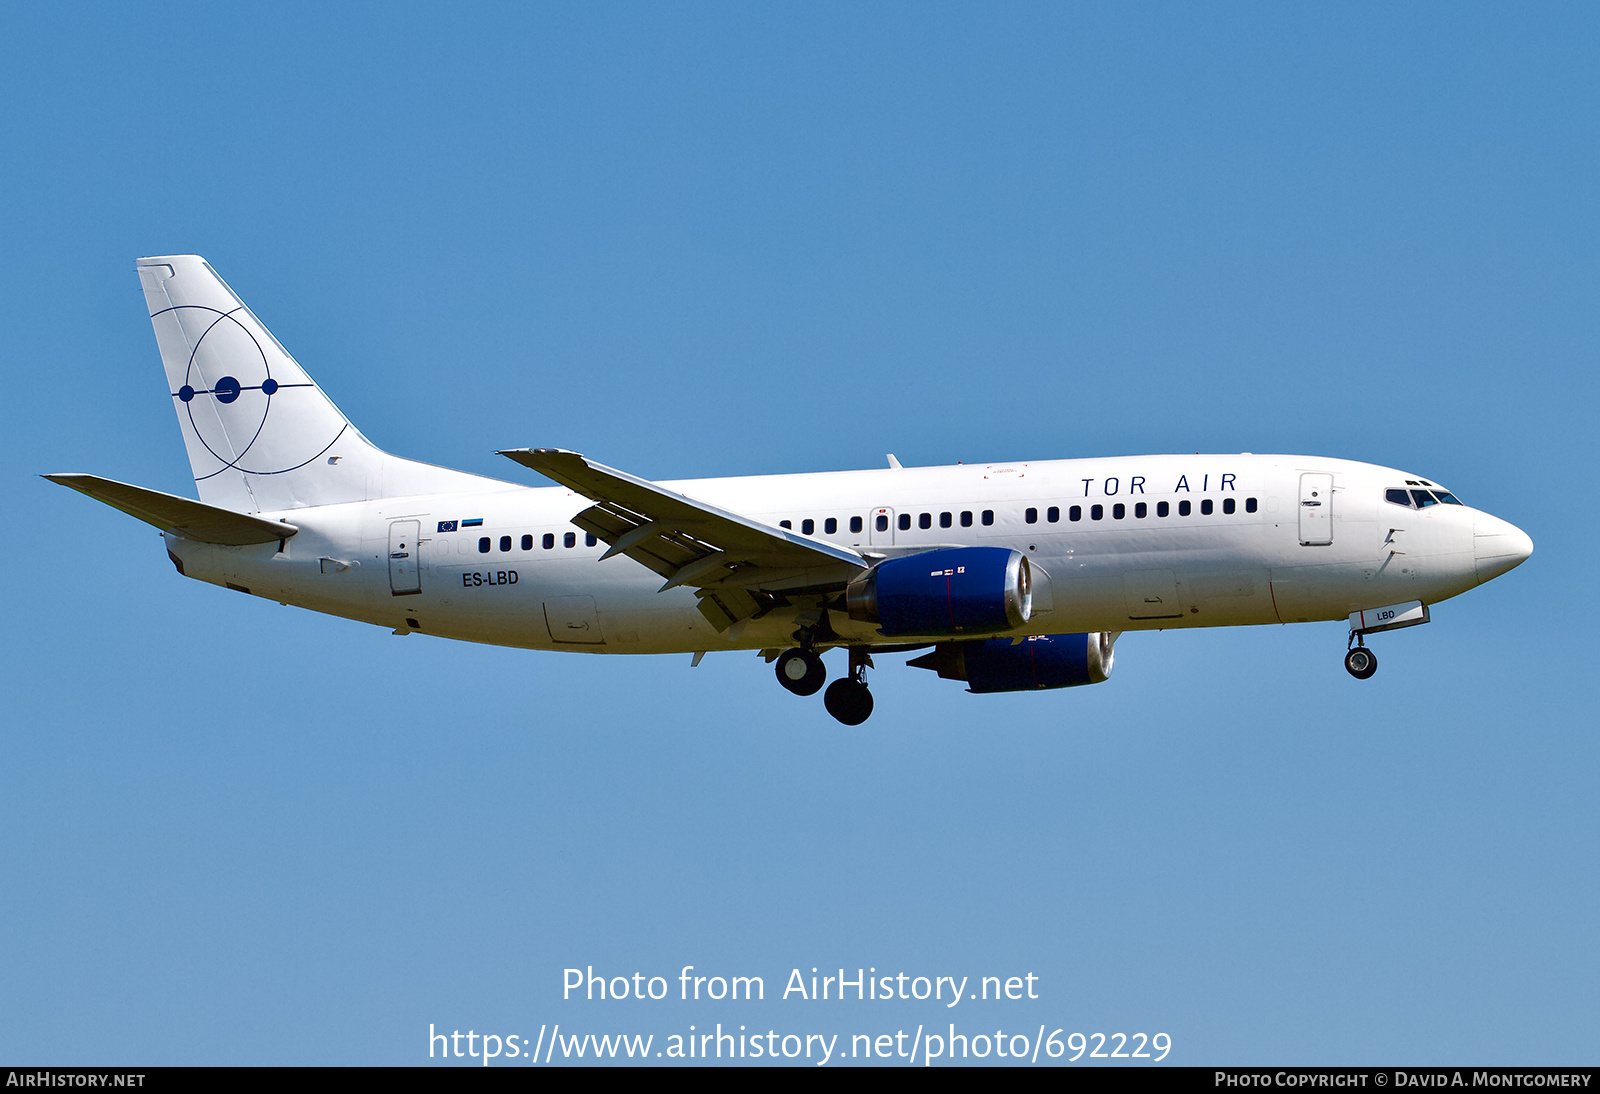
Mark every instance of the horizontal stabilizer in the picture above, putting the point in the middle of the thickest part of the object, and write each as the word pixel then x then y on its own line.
pixel 170 513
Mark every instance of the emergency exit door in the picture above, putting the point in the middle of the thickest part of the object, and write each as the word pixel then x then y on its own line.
pixel 1316 510
pixel 405 558
pixel 881 533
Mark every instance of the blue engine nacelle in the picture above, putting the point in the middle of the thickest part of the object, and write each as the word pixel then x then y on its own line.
pixel 1045 661
pixel 957 590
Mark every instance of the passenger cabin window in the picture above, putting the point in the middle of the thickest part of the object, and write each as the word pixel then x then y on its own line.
pixel 1205 507
pixel 786 524
pixel 905 522
pixel 1053 514
pixel 1227 505
pixel 988 517
pixel 1075 513
pixel 808 527
pixel 1249 505
pixel 925 520
pixel 1118 511
pixel 589 539
pixel 855 524
pixel 1141 510
pixel 505 543
pixel 966 518
pixel 1183 508
pixel 569 540
pixel 1162 509
pixel 1097 512
pixel 944 520
pixel 830 526
pixel 882 522
pixel 549 540
pixel 1031 516
pixel 527 543
pixel 483 545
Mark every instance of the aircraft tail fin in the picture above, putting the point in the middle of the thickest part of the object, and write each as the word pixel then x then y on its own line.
pixel 260 433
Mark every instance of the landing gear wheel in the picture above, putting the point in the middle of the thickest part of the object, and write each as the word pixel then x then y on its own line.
pixel 801 671
pixel 849 701
pixel 1361 662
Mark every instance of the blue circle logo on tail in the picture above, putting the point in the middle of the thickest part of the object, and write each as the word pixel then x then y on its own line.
pixel 235 430
pixel 228 389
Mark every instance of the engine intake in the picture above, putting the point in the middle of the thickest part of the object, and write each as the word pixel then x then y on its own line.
pixel 955 590
pixel 1045 661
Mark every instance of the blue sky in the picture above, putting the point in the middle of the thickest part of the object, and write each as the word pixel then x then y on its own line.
pixel 700 240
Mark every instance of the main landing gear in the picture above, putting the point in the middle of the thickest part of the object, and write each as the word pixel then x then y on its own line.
pixel 1360 662
pixel 849 700
pixel 802 672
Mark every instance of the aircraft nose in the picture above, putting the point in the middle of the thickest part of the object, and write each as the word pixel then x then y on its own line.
pixel 1498 546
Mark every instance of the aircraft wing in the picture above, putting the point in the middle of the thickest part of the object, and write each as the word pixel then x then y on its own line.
pixel 170 513
pixel 735 563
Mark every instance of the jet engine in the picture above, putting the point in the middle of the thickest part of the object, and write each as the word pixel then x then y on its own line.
pixel 1045 661
pixel 950 591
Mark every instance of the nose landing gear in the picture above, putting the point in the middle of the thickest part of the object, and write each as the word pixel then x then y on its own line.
pixel 1360 662
pixel 848 700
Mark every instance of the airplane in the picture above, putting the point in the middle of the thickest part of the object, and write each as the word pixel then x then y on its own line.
pixel 1011 576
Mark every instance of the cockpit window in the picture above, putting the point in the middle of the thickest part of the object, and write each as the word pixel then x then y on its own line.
pixel 1420 499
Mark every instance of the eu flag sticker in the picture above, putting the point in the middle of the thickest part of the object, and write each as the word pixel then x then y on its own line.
pixel 447 526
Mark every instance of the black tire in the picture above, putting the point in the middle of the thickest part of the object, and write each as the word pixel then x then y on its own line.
pixel 801 671
pixel 848 701
pixel 1361 662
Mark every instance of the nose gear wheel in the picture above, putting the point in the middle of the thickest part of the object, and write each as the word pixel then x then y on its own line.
pixel 1361 662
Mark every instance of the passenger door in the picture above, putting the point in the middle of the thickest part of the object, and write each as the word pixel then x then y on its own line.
pixel 405 557
pixel 1316 510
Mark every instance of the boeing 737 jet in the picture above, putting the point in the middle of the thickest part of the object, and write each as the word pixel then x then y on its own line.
pixel 1011 576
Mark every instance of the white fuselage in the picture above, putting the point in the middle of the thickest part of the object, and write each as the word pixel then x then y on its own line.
pixel 1236 564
